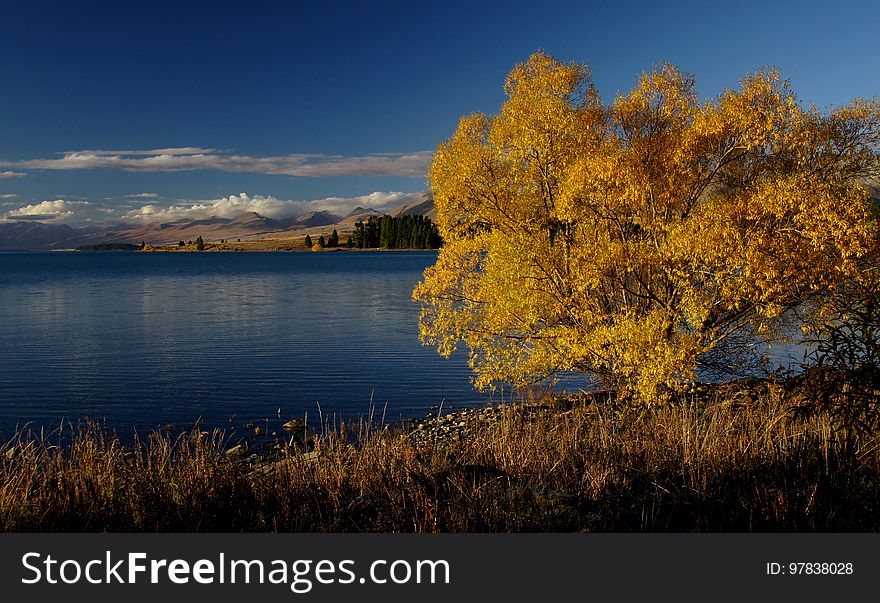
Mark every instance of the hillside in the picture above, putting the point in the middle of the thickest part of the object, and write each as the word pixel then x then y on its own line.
pixel 32 235
pixel 423 206
pixel 247 227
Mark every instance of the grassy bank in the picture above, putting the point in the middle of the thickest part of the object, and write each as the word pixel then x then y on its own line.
pixel 735 458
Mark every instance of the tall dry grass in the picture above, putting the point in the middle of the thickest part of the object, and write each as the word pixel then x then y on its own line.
pixel 729 459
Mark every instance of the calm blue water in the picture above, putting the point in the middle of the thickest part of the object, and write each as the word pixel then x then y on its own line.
pixel 143 340
pixel 146 340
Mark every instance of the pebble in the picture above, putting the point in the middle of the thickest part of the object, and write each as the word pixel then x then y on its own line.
pixel 465 424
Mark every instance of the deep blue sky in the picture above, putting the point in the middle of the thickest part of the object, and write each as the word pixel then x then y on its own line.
pixel 268 79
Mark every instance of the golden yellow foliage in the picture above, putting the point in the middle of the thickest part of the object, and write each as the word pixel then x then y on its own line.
pixel 631 240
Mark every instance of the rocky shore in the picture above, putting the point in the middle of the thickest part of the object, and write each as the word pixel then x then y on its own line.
pixel 468 423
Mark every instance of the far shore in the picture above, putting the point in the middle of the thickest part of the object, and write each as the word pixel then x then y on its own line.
pixel 259 245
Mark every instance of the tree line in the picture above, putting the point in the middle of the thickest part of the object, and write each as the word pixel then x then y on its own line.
pixel 400 232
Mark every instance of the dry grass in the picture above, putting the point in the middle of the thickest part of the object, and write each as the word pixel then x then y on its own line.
pixel 729 459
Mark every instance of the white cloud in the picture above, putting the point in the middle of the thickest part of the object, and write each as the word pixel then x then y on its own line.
pixel 408 165
pixel 12 174
pixel 57 210
pixel 143 196
pixel 227 207
pixel 8 196
pixel 271 207
pixel 78 212
pixel 377 200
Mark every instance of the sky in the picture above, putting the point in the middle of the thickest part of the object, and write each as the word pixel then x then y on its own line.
pixel 139 111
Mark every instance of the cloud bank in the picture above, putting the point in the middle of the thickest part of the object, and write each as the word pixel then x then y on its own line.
pixel 407 165
pixel 271 207
pixel 8 174
pixel 73 212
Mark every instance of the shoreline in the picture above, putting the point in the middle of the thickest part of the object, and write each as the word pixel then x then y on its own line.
pixel 171 249
pixel 746 456
pixel 225 248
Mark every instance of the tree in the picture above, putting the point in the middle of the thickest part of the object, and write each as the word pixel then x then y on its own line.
pixel 200 244
pixel 371 232
pixel 308 242
pixel 842 376
pixel 334 239
pixel 181 244
pixel 640 241
pixel 321 242
pixel 386 232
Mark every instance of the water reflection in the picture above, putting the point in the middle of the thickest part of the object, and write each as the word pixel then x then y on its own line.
pixel 147 339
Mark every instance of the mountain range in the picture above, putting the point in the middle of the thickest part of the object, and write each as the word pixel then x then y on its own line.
pixel 36 235
pixel 33 235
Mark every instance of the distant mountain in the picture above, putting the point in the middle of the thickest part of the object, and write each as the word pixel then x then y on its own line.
pixel 32 235
pixel 359 214
pixel 251 219
pixel 247 225
pixel 361 211
pixel 317 218
pixel 250 225
pixel 422 206
pixel 164 232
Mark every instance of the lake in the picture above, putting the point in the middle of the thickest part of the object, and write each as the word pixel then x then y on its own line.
pixel 149 339
pixel 144 340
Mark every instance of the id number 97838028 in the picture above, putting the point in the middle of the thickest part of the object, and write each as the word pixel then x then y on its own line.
pixel 805 568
